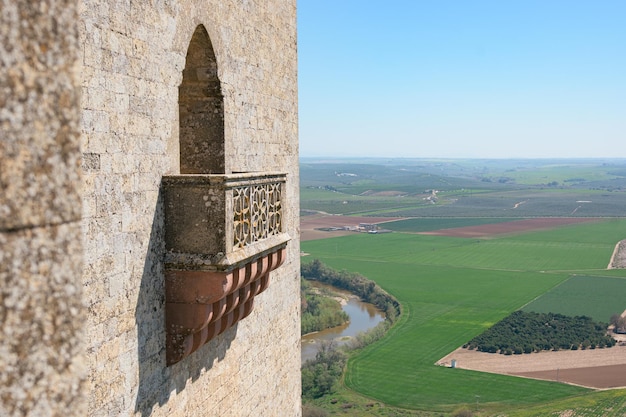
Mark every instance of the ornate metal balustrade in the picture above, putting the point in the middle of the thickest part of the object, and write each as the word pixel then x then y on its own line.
pixel 223 236
pixel 257 212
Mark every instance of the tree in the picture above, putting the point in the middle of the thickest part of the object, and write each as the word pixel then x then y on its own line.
pixel 320 374
pixel 619 323
pixel 526 332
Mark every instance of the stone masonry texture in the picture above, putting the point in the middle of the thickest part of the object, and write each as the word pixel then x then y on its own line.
pixel 89 119
pixel 132 58
pixel 38 115
pixel 41 313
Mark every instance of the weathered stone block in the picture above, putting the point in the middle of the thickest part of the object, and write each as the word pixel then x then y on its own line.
pixel 40 322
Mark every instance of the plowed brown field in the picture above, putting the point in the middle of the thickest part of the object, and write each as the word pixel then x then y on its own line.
pixel 516 226
pixel 594 368
pixel 310 224
pixel 608 376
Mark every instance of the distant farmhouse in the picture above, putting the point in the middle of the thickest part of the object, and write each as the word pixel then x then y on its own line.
pixel 371 228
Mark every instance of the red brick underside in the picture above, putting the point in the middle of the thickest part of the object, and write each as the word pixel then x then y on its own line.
pixel 202 304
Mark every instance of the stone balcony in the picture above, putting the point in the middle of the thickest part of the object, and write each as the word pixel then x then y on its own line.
pixel 223 236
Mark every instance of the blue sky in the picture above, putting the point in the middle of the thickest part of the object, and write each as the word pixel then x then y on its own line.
pixel 462 79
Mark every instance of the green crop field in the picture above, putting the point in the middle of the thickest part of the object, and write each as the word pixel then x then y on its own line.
pixel 595 296
pixel 429 224
pixel 452 289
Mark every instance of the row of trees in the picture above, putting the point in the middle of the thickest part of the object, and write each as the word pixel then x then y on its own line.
pixel 527 332
pixel 368 291
pixel 319 312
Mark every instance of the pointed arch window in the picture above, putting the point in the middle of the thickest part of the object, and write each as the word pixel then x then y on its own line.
pixel 201 110
pixel 223 231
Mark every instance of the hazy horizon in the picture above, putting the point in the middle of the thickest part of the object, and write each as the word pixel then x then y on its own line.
pixel 452 158
pixel 477 80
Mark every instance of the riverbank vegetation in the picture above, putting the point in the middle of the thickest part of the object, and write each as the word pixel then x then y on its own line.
pixel 528 332
pixel 320 375
pixel 368 291
pixel 319 312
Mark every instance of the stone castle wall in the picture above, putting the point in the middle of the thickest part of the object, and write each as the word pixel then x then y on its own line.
pixel 41 371
pixel 133 56
pixel 105 87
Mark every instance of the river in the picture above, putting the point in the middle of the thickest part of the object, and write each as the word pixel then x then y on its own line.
pixel 363 316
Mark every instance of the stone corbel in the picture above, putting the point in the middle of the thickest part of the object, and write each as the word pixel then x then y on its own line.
pixel 202 304
pixel 223 236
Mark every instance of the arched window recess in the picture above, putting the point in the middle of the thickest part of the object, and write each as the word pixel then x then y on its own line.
pixel 223 232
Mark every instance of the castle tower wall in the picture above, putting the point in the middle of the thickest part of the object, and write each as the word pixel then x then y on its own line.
pixel 41 314
pixel 132 58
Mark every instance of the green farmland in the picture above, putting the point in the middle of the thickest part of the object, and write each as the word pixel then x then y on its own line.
pixel 451 289
pixel 465 188
pixel 431 224
pixel 596 296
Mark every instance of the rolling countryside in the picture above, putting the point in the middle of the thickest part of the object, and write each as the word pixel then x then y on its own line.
pixel 452 288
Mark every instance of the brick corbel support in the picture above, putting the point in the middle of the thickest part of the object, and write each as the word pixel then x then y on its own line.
pixel 202 304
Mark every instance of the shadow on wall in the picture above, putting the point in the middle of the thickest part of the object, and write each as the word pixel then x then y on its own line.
pixel 156 380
